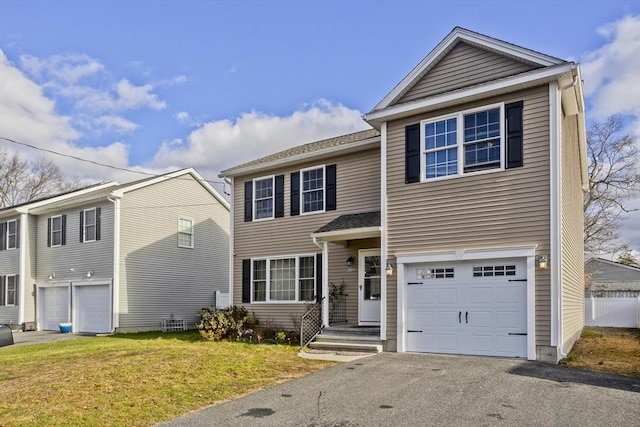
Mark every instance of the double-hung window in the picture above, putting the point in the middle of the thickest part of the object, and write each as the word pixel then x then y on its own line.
pixel 89 225
pixel 185 233
pixel 312 189
pixel 10 290
pixel 56 230
pixel 12 234
pixel 463 143
pixel 286 279
pixel 263 198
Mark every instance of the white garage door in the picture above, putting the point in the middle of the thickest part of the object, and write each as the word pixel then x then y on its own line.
pixel 468 308
pixel 54 307
pixel 92 308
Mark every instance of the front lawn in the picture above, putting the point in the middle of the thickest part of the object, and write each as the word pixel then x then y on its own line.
pixel 135 379
pixel 614 350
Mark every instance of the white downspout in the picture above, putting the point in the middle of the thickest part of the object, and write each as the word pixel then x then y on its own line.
pixel 231 240
pixel 23 267
pixel 383 232
pixel 115 322
pixel 325 280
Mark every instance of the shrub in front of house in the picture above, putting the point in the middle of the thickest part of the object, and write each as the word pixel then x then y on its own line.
pixel 217 324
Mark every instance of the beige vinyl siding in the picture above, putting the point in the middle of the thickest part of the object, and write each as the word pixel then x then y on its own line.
pixel 81 257
pixel 465 65
pixel 482 211
pixel 358 190
pixel 158 279
pixel 572 276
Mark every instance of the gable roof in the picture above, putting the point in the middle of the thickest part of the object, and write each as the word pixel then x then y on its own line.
pixel 457 35
pixel 325 147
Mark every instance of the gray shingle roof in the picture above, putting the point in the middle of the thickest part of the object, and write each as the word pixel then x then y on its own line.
pixel 351 221
pixel 307 148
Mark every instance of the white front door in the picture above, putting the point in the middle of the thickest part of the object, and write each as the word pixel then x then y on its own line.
pixel 369 289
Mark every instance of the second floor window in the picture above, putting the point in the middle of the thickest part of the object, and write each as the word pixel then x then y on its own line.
pixel 263 198
pixel 185 233
pixel 12 234
pixel 56 230
pixel 89 228
pixel 312 190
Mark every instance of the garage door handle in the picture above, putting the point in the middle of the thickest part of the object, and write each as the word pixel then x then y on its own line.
pixel 516 333
pixel 459 317
pixel 414 283
pixel 466 317
pixel 412 330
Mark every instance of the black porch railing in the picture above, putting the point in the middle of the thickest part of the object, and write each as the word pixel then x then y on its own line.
pixel 338 308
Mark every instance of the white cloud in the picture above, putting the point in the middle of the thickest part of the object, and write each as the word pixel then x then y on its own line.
pixel 69 68
pixel 116 123
pixel 612 72
pixel 182 117
pixel 221 144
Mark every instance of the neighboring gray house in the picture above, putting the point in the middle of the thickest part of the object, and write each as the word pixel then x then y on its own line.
pixel 609 279
pixel 114 257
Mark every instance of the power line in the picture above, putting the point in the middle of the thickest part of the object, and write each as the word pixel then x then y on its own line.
pixel 99 163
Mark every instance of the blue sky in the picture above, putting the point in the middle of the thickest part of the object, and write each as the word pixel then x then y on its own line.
pixel 159 85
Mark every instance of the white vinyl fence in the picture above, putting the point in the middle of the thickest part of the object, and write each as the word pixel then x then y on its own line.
pixel 612 312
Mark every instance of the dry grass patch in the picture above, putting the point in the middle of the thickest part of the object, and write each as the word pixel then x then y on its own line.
pixel 135 379
pixel 614 350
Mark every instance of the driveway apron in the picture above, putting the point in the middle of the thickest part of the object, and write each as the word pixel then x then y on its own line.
pixel 395 389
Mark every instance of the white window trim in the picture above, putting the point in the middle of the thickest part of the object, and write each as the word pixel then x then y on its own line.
pixel 297 278
pixel 324 189
pixel 84 225
pixel 192 234
pixel 6 290
pixel 459 116
pixel 53 245
pixel 273 198
pixel 9 248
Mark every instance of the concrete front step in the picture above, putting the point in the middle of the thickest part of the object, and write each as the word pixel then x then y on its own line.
pixel 344 346
pixel 351 331
pixel 358 339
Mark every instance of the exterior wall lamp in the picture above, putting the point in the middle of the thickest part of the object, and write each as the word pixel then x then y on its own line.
pixel 89 274
pixel 350 262
pixel 543 261
pixel 390 268
pixel 52 276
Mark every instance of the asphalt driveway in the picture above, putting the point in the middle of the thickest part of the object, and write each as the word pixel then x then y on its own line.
pixel 36 337
pixel 393 389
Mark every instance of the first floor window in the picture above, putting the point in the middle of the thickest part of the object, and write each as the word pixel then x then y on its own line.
pixel 12 234
pixel 185 233
pixel 8 290
pixel 56 230
pixel 283 279
pixel 263 198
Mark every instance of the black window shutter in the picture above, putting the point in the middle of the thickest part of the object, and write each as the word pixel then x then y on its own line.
pixel 246 281
pixel 279 209
pixel 16 280
pixel 295 193
pixel 318 278
pixel 514 134
pixel 248 201
pixel 64 230
pixel 331 188
pixel 17 233
pixel 48 232
pixel 2 290
pixel 3 236
pixel 98 213
pixel 81 226
pixel 412 153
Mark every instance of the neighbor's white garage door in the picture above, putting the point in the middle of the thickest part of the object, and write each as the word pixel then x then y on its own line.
pixel 92 308
pixel 468 308
pixel 54 307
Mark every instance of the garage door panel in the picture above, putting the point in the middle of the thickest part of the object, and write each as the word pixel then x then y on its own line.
pixel 92 307
pixel 466 314
pixel 55 307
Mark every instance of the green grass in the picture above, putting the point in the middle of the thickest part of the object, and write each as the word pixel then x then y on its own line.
pixel 134 379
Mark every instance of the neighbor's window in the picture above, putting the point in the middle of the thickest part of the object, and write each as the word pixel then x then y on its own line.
pixel 10 290
pixel 312 190
pixel 12 234
pixel 263 198
pixel 288 279
pixel 89 227
pixel 475 137
pixel 56 230
pixel 185 233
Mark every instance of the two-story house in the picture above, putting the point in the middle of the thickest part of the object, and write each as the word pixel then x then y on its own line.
pixel 115 257
pixel 455 224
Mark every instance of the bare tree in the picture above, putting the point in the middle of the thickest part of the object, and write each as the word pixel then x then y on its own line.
pixel 613 180
pixel 22 180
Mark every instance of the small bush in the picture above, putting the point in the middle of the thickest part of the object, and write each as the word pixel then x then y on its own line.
pixel 215 324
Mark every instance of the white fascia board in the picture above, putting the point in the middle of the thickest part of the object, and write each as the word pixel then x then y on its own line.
pixel 28 207
pixel 461 34
pixel 348 234
pixel 484 90
pixel 340 149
